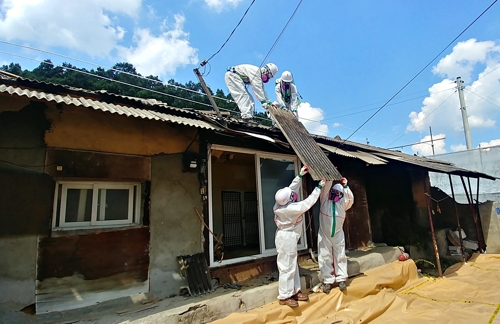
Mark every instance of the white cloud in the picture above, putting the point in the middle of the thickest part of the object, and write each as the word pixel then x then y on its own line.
pixel 478 63
pixel 81 25
pixel 425 148
pixel 163 54
pixel 494 142
pixel 459 147
pixel 219 5
pixel 311 119
pixel 463 59
pixel 439 98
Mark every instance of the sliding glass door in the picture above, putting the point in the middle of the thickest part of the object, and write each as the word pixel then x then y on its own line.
pixel 273 173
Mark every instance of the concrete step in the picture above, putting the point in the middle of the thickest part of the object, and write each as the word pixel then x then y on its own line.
pixel 358 262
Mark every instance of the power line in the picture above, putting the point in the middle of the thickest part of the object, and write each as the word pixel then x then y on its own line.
pixel 282 31
pixel 276 41
pixel 420 72
pixel 409 130
pixel 393 104
pixel 105 67
pixel 474 93
pixel 109 79
pixel 161 82
pixel 424 142
pixel 230 35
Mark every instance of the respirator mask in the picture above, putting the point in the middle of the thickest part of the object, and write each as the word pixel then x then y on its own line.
pixel 335 195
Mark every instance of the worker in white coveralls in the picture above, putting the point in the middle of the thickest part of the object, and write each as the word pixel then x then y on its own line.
pixel 286 93
pixel 334 202
pixel 288 216
pixel 240 76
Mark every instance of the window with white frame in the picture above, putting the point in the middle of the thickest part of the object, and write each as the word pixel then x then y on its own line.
pixel 96 204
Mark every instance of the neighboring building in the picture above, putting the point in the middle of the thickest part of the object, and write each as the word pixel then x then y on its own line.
pixel 483 160
pixel 101 193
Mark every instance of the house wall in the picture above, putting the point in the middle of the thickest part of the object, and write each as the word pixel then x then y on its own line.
pixel 490 219
pixel 25 197
pixel 85 129
pixel 390 202
pixel 175 227
pixel 75 136
pixel 357 225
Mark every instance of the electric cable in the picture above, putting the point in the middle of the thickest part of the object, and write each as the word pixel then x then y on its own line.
pixel 420 72
pixel 281 34
pixel 109 79
pixel 474 92
pixel 105 67
pixel 156 81
pixel 276 42
pixel 154 91
pixel 393 104
pixel 230 35
pixel 409 130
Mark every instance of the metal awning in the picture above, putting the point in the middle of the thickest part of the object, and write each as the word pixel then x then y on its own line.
pixel 304 145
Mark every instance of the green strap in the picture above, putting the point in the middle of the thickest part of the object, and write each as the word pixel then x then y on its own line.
pixel 333 219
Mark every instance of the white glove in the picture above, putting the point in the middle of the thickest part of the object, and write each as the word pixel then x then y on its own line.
pixel 265 105
pixel 322 182
pixel 304 170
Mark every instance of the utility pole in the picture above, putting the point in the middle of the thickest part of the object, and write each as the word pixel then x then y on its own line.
pixel 207 92
pixel 432 141
pixel 465 119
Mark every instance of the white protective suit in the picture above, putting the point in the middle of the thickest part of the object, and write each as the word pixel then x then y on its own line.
pixel 286 100
pixel 331 243
pixel 237 79
pixel 288 219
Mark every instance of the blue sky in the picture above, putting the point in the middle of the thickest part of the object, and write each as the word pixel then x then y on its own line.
pixel 348 58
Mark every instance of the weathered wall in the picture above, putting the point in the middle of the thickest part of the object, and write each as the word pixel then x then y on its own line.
pixel 25 197
pixel 175 227
pixel 419 183
pixel 86 129
pixel 80 270
pixel 390 202
pixel 18 269
pixel 490 219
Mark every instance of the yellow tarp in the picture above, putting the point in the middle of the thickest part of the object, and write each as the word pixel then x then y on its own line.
pixel 394 293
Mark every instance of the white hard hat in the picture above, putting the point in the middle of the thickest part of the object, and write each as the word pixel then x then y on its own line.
pixel 286 76
pixel 273 69
pixel 282 196
pixel 338 187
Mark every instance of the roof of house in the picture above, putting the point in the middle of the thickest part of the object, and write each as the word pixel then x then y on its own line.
pixel 376 155
pixel 153 109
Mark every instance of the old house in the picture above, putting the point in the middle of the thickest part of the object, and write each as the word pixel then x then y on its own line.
pixel 100 193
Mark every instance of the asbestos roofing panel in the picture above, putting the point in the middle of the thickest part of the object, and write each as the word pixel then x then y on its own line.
pixel 369 158
pixel 305 146
pixel 107 107
pixel 364 156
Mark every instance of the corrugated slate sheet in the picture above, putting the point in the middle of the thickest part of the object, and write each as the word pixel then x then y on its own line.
pixel 364 156
pixel 107 107
pixel 389 155
pixel 305 146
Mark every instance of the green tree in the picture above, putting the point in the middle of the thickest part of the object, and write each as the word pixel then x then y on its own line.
pixel 118 79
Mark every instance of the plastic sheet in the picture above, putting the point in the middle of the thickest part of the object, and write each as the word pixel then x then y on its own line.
pixel 394 293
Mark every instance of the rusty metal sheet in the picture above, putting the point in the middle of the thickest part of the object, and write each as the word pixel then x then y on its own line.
pixel 304 145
